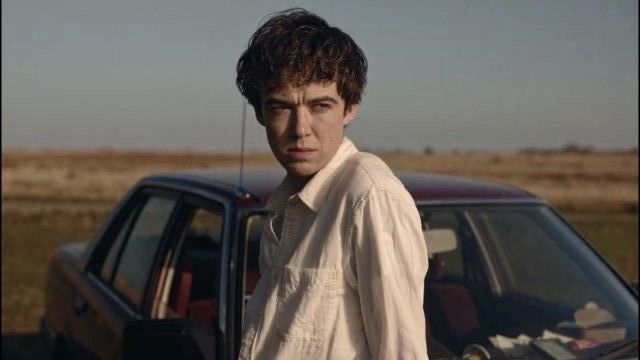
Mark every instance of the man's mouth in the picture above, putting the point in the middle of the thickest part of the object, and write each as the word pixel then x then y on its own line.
pixel 300 152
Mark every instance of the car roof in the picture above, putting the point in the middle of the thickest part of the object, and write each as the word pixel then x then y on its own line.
pixel 259 182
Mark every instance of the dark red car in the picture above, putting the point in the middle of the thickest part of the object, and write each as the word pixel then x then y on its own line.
pixel 169 273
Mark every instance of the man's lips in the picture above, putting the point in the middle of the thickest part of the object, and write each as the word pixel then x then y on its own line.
pixel 300 152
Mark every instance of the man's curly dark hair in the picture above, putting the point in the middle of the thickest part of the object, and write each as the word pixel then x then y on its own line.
pixel 297 47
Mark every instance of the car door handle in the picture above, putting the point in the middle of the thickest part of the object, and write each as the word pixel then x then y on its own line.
pixel 79 305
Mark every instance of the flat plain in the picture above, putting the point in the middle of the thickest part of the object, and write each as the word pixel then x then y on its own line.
pixel 52 197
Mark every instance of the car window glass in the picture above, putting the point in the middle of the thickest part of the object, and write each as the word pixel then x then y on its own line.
pixel 140 248
pixel 525 237
pixel 195 283
pixel 106 271
pixel 515 270
pixel 454 277
pixel 449 263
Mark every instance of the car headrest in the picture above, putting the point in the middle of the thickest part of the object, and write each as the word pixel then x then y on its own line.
pixel 440 241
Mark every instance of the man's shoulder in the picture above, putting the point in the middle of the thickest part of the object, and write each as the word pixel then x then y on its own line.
pixel 365 172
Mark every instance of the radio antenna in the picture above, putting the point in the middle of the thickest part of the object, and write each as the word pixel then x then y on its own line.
pixel 244 116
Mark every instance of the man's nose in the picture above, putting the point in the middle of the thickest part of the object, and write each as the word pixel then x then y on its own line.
pixel 301 122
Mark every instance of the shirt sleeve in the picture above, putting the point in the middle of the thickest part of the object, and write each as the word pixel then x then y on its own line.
pixel 390 259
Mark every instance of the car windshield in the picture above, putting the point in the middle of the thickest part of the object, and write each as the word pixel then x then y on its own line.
pixel 516 280
pixel 509 281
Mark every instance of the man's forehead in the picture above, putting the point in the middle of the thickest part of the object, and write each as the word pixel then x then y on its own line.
pixel 307 91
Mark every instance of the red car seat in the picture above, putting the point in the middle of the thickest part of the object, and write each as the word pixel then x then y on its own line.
pixel 452 311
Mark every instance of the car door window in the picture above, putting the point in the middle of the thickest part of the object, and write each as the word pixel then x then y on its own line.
pixel 106 271
pixel 449 263
pixel 453 280
pixel 140 248
pixel 194 285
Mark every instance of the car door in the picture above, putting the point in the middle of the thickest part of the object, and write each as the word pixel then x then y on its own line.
pixel 119 274
pixel 190 279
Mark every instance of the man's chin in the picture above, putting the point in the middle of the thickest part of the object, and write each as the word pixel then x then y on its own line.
pixel 300 169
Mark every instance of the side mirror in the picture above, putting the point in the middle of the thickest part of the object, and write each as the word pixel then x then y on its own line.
pixel 165 339
pixel 440 241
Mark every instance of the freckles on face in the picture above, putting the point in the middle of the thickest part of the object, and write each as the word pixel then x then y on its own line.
pixel 305 125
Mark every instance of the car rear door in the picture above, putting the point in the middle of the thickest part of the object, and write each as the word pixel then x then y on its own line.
pixel 118 276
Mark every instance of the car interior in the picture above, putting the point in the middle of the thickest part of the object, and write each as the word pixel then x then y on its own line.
pixel 451 308
pixel 194 288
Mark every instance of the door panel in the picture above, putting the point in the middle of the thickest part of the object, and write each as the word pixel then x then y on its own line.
pixel 113 289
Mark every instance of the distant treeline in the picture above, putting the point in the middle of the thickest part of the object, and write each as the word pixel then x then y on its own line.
pixel 571 148
pixel 574 148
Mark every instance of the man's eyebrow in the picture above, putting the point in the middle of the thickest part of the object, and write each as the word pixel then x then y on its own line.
pixel 322 99
pixel 276 101
pixel 279 101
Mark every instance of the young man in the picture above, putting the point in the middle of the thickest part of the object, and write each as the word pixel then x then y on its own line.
pixel 343 257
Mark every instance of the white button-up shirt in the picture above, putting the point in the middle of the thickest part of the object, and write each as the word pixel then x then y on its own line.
pixel 344 279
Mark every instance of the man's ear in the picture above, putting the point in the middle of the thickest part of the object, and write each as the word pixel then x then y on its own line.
pixel 350 114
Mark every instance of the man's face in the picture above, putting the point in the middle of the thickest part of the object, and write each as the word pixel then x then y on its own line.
pixel 305 125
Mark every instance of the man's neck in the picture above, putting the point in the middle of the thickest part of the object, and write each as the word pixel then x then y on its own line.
pixel 298 182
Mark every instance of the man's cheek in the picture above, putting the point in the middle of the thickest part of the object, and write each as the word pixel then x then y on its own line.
pixel 272 135
pixel 276 129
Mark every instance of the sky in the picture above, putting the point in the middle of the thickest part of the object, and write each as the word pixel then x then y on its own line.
pixel 450 74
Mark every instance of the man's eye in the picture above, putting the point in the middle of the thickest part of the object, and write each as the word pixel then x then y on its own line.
pixel 277 109
pixel 321 107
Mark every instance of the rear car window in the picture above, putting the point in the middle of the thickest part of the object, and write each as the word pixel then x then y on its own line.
pixel 139 252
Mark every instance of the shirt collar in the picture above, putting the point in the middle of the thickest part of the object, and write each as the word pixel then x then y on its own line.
pixel 314 193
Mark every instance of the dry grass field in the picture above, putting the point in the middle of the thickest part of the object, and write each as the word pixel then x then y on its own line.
pixel 601 182
pixel 53 197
